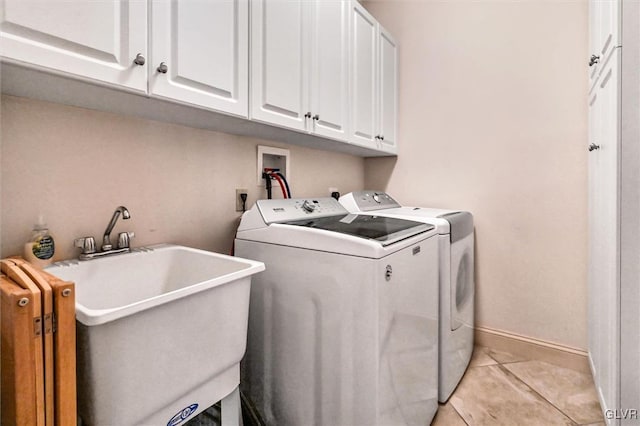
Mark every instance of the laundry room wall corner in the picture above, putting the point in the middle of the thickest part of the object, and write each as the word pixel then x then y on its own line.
pixel 378 172
pixel 493 116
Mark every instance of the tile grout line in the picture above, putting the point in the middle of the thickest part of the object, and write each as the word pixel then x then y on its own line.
pixel 489 355
pixel 454 391
pixel 507 371
pixel 514 362
pixel 502 367
pixel 515 375
pixel 458 413
pixel 480 366
pixel 507 362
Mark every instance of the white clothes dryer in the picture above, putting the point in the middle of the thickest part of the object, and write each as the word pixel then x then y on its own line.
pixel 342 329
pixel 456 277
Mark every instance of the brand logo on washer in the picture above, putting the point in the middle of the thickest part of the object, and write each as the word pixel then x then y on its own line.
pixel 183 415
pixel 416 250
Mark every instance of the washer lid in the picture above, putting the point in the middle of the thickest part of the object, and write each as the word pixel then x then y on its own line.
pixel 385 230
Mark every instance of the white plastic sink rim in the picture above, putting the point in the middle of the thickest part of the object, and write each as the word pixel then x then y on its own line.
pixel 69 270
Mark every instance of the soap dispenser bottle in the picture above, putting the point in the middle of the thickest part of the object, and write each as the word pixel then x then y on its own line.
pixel 39 250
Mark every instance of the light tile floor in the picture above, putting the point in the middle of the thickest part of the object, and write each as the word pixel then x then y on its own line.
pixel 502 389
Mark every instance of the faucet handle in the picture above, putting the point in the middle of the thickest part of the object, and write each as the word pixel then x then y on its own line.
pixel 87 244
pixel 124 239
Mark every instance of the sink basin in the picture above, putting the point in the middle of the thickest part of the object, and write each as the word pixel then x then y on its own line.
pixel 161 332
pixel 114 287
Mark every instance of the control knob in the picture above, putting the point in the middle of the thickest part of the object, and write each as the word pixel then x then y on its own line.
pixel 376 198
pixel 308 207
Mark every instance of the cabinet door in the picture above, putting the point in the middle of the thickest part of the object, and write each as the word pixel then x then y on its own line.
pixel 597 283
pixel 593 217
pixel 388 94
pixel 329 70
pixel 604 251
pixel 204 46
pixel 95 40
pixel 279 74
pixel 363 77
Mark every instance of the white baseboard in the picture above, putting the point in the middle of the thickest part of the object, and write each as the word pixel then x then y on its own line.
pixel 531 348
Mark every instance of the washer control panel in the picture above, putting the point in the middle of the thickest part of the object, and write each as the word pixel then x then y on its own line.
pixel 286 210
pixel 373 200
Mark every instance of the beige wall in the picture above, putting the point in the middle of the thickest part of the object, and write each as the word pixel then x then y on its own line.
pixel 76 166
pixel 493 119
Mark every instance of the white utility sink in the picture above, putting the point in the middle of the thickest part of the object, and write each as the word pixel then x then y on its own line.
pixel 161 332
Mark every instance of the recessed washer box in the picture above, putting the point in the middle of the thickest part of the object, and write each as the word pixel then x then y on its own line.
pixel 275 158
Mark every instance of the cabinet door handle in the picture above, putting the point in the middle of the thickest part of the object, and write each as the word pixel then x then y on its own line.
pixel 308 115
pixel 381 137
pixel 139 60
pixel 594 60
pixel 163 68
pixel 316 117
pixel 593 147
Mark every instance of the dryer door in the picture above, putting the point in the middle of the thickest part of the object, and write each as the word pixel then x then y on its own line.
pixel 462 282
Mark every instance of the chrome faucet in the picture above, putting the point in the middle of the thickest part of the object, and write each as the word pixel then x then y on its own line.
pixel 106 239
pixel 88 244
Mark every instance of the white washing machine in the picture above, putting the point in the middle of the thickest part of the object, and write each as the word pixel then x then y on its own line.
pixel 456 248
pixel 342 329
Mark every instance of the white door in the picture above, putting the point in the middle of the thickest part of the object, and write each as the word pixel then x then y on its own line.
pixel 607 227
pixel 596 285
pixel 96 40
pixel 604 290
pixel 363 77
pixel 329 69
pixel 203 47
pixel 279 75
pixel 593 210
pixel 388 94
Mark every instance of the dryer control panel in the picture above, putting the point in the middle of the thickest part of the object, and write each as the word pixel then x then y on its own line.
pixel 365 201
pixel 286 210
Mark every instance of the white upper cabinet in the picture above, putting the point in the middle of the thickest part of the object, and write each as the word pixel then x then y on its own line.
pixel 200 53
pixel 364 77
pixel 95 40
pixel 329 95
pixel 322 67
pixel 299 70
pixel 279 65
pixel 374 83
pixel 388 100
